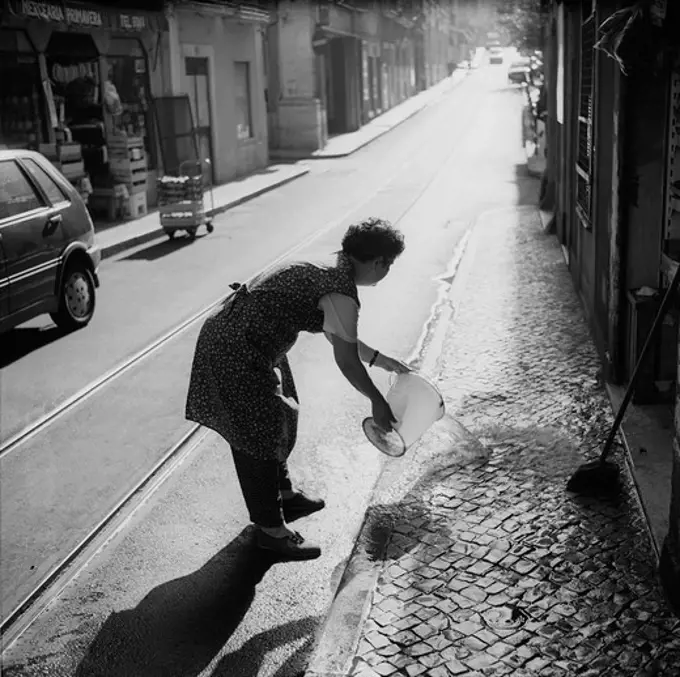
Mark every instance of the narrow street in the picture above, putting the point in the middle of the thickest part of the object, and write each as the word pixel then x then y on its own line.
pixel 134 602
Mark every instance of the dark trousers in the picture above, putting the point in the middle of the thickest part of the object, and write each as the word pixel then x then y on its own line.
pixel 262 482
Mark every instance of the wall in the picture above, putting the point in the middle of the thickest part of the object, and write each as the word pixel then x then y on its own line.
pixel 223 41
pixel 297 117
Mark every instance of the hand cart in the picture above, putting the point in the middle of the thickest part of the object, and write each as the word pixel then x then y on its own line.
pixel 181 200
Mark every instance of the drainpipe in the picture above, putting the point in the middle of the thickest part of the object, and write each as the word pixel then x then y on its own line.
pixel 617 245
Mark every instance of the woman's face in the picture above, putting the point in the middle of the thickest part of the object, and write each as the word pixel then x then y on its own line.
pixel 378 269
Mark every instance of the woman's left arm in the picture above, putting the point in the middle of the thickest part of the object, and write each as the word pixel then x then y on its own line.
pixel 341 315
pixel 376 359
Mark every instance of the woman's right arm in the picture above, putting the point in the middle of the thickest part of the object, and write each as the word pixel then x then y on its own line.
pixel 347 358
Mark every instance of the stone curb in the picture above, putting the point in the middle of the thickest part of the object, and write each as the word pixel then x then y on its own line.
pixel 338 639
pixel 142 238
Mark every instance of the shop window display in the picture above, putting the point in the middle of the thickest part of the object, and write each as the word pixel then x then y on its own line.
pixel 75 109
pixel 129 80
pixel 73 66
pixel 22 120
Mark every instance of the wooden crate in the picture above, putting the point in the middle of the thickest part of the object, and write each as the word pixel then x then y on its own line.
pixel 49 150
pixel 127 166
pixel 124 143
pixel 179 190
pixel 182 214
pixel 132 173
pixel 126 148
pixel 73 170
pixel 135 206
pixel 70 152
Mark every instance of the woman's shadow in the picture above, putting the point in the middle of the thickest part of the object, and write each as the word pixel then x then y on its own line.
pixel 182 625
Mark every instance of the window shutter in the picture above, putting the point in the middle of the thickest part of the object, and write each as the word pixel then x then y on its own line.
pixel 585 159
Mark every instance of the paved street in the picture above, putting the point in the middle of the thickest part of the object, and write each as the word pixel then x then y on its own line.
pixel 102 447
pixel 60 482
pixel 485 561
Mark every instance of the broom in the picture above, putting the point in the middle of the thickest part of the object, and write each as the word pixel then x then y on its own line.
pixel 602 476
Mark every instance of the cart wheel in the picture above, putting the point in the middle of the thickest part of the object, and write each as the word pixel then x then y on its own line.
pixel 209 227
pixel 171 234
pixel 192 233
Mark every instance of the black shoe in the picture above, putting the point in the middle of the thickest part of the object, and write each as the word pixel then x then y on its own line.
pixel 289 547
pixel 299 505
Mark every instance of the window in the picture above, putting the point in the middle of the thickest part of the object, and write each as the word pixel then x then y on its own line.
pixel 16 193
pixel 54 193
pixel 584 161
pixel 244 126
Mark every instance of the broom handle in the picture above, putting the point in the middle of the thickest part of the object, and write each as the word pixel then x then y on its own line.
pixel 668 297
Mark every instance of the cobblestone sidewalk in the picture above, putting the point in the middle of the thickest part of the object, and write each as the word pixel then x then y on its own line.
pixel 492 568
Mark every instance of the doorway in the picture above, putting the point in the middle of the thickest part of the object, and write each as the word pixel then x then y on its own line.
pixel 196 82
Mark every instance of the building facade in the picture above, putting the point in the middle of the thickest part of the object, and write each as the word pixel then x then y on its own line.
pixel 613 85
pixel 334 66
pixel 213 54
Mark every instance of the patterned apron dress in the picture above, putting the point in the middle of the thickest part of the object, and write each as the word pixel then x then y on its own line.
pixel 234 387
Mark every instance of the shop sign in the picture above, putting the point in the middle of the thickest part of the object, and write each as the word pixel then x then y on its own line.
pixel 132 22
pixel 87 16
pixel 62 13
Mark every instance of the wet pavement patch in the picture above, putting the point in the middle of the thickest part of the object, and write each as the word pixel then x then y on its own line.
pixel 493 568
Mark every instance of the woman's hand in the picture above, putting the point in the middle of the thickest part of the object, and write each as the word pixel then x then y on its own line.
pixel 382 414
pixel 392 364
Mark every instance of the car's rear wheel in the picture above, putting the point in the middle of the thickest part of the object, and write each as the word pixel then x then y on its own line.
pixel 76 298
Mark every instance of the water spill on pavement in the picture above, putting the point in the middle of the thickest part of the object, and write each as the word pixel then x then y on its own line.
pixel 454 443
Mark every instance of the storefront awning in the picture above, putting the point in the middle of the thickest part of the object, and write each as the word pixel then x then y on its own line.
pixel 82 15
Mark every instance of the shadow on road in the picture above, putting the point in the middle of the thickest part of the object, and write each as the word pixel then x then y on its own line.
pixel 182 625
pixel 20 342
pixel 247 660
pixel 161 249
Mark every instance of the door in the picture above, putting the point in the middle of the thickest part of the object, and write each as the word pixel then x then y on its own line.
pixel 177 139
pixel 32 238
pixel 197 86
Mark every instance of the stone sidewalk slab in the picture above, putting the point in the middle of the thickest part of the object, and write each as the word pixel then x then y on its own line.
pixel 118 238
pixel 489 567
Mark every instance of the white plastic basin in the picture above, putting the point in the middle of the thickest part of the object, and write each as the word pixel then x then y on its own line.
pixel 416 404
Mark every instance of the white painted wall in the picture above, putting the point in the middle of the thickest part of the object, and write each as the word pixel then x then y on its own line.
pixel 223 41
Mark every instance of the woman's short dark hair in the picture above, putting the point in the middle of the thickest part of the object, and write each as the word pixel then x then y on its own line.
pixel 373 239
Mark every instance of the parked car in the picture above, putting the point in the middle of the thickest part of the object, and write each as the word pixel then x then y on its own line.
pixel 48 256
pixel 496 55
pixel 519 73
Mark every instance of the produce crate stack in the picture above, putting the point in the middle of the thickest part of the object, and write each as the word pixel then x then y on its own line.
pixel 127 165
pixel 180 200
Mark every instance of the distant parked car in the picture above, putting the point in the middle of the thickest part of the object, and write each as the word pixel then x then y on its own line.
pixel 496 55
pixel 48 256
pixel 519 73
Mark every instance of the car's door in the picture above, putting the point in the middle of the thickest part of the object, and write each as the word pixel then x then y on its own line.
pixel 4 285
pixel 31 238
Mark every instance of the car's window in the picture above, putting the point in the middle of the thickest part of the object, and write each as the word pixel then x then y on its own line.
pixel 54 193
pixel 16 193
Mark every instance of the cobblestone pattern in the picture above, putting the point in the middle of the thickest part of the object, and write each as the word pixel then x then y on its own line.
pixel 492 568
